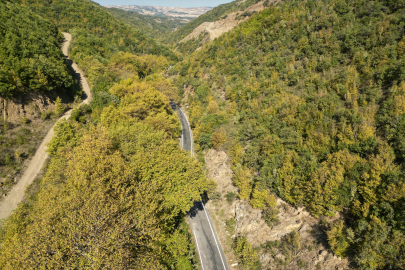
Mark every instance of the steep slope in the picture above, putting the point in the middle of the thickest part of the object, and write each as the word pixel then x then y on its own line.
pixel 16 194
pixel 153 26
pixel 33 73
pixel 31 60
pixel 116 190
pixel 307 98
pixel 209 31
pixel 211 16
pixel 95 32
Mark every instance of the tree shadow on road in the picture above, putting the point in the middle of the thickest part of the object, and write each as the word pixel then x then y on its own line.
pixel 195 209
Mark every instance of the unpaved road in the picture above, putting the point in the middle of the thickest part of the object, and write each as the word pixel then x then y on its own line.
pixel 17 193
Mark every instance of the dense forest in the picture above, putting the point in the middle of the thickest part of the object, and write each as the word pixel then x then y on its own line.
pixel 308 99
pixel 95 32
pixel 117 188
pixel 30 55
pixel 153 26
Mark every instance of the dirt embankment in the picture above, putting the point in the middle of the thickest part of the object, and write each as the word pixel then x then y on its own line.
pixel 218 28
pixel 16 194
pixel 314 252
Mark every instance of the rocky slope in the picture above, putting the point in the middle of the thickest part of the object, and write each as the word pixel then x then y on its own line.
pixel 217 28
pixel 314 252
pixel 29 106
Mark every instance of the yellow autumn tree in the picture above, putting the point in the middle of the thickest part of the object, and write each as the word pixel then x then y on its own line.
pixel 219 138
pixel 242 179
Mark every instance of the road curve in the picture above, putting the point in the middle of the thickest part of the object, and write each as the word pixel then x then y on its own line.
pixel 16 194
pixel 209 248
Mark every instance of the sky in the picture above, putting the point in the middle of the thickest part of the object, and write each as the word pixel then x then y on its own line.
pixel 165 3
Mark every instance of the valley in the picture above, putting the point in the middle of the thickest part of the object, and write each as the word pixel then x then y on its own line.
pixel 176 12
pixel 287 152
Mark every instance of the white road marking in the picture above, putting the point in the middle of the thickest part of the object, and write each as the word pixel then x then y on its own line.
pixel 212 231
pixel 213 235
pixel 199 253
pixel 189 129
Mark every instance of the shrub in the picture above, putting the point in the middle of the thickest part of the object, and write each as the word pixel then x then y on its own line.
pixel 215 196
pixel 247 257
pixel 59 107
pixel 230 196
pixel 230 225
pixel 219 138
pixel 46 114
pixel 269 215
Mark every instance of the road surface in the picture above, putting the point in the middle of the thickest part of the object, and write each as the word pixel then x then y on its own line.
pixel 207 242
pixel 17 193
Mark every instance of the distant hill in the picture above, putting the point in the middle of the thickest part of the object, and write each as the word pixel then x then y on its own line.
pixel 211 16
pixel 95 31
pixel 177 12
pixel 152 26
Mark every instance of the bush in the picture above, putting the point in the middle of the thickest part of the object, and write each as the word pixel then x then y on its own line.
pixel 230 197
pixel 8 159
pixel 205 141
pixel 46 114
pixel 246 255
pixel 230 225
pixel 219 138
pixel 216 196
pixel 269 215
pixel 59 107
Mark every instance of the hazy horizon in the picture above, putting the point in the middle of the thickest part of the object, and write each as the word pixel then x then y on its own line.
pixel 164 3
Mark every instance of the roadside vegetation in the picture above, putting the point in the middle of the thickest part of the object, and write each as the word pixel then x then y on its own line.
pixel 311 96
pixel 117 187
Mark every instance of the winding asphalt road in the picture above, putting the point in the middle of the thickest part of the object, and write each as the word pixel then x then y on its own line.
pixel 208 245
pixel 17 193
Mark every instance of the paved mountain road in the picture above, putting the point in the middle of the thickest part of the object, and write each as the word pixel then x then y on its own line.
pixel 17 193
pixel 209 248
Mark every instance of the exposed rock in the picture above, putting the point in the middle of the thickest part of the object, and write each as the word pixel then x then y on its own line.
pixel 28 106
pixel 218 28
pixel 314 249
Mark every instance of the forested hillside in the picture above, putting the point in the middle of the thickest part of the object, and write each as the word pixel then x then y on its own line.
pixel 308 99
pixel 97 38
pixel 95 32
pixel 116 189
pixel 117 186
pixel 153 26
pixel 30 55
pixel 211 16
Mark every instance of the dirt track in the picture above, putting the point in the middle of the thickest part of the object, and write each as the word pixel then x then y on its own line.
pixel 17 193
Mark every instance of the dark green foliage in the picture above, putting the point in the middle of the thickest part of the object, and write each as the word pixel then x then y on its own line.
pixel 205 141
pixel 154 27
pixel 95 32
pixel 230 197
pixel 316 91
pixel 270 215
pixel 30 54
